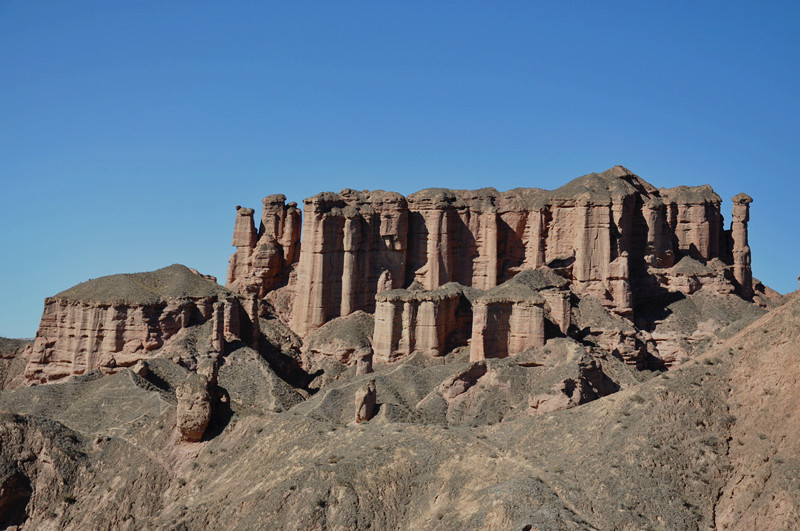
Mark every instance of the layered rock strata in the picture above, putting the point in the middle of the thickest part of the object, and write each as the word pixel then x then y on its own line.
pixel 354 241
pixel 510 318
pixel 417 320
pixel 498 322
pixel 112 322
pixel 605 233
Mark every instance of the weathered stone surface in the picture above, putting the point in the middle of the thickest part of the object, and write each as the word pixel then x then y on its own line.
pixel 353 242
pixel 113 322
pixel 345 339
pixel 431 322
pixel 208 367
pixel 264 258
pixel 606 233
pixel 141 368
pixel 689 276
pixel 459 383
pixel 14 356
pixel 511 317
pixel 366 398
pixel 739 245
pixel 364 364
pixel 217 340
pixel 251 307
pixel 194 407
pixel 693 213
pixel 615 335
pixel 721 433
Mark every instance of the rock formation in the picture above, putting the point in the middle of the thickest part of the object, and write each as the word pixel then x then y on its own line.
pixel 14 355
pixel 511 317
pixel 440 269
pixel 419 320
pixel 113 322
pixel 353 240
pixel 194 407
pixel 263 259
pixel 520 341
pixel 612 235
pixel 366 398
pixel 739 246
pixel 348 339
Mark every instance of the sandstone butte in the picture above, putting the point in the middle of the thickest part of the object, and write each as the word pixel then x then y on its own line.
pixel 440 262
pixel 479 310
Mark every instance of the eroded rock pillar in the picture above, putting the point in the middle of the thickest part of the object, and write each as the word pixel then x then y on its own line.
pixel 741 249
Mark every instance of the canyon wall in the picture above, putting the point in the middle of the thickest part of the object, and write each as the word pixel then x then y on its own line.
pixel 605 233
pixel 438 269
pixel 112 322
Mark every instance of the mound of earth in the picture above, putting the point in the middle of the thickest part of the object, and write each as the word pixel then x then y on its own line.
pixel 175 281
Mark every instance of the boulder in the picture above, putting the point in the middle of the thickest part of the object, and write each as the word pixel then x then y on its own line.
pixel 194 407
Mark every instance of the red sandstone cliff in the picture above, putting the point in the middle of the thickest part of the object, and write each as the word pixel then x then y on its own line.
pixel 612 235
pixel 112 322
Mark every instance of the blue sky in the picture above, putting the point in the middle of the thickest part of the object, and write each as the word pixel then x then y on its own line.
pixel 130 130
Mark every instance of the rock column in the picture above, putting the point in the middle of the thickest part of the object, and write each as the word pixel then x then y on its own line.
pixel 218 327
pixel 366 398
pixel 741 249
pixel 244 239
pixel 194 407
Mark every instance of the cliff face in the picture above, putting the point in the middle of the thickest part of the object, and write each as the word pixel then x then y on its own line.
pixel 438 269
pixel 612 235
pixel 354 242
pixel 112 322
pixel 432 322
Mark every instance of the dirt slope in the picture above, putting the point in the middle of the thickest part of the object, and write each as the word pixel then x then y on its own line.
pixel 710 445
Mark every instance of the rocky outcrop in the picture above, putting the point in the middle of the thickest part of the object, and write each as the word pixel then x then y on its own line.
pixel 510 318
pixel 590 384
pixel 459 383
pixel 605 233
pixel 113 322
pixel 14 356
pixel 366 398
pixel 503 320
pixel 689 276
pixel 354 241
pixel 506 321
pixel 263 258
pixel 417 320
pixel 347 340
pixel 694 218
pixel 194 407
pixel 739 245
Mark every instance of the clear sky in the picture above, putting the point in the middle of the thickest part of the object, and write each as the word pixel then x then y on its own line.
pixel 129 131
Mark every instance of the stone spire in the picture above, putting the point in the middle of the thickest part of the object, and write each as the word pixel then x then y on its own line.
pixel 741 250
